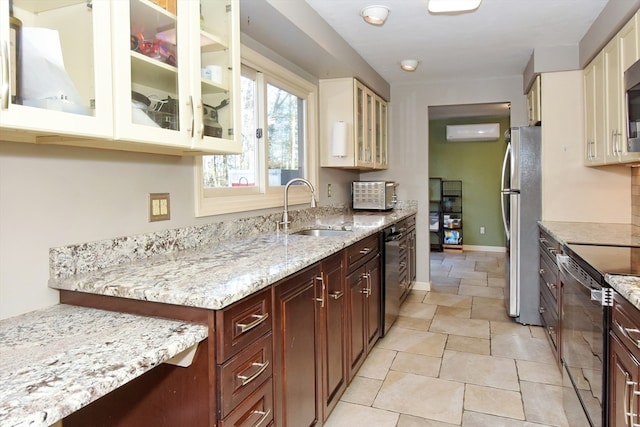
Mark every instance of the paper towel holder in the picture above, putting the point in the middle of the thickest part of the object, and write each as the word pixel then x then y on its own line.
pixel 339 139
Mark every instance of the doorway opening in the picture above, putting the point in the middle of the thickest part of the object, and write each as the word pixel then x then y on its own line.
pixel 477 165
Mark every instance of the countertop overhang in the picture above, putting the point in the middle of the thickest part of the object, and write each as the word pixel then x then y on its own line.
pixel 57 360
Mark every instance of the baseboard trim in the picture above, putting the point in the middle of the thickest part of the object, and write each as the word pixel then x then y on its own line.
pixel 474 248
pixel 422 286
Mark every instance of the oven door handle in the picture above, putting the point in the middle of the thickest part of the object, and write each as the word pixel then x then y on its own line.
pixel 565 268
pixel 603 295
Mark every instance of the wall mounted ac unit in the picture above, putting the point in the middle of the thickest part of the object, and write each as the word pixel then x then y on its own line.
pixel 474 132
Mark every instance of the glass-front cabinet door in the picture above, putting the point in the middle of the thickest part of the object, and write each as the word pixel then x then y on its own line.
pixel 175 63
pixel 151 82
pixel 216 77
pixel 380 133
pixel 55 68
pixel 364 121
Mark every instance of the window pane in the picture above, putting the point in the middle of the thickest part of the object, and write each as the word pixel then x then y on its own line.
pixel 285 136
pixel 237 170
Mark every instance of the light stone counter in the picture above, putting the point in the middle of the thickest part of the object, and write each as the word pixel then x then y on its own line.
pixel 593 233
pixel 602 234
pixel 215 276
pixel 57 360
pixel 627 286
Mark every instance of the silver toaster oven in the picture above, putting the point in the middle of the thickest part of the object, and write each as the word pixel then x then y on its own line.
pixel 373 195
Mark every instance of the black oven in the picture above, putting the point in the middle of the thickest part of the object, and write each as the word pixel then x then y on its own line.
pixel 585 305
pixel 586 300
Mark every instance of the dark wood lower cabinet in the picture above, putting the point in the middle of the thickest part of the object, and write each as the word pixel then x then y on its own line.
pixel 280 357
pixel 296 370
pixel 624 365
pixel 624 375
pixel 363 285
pixel 333 333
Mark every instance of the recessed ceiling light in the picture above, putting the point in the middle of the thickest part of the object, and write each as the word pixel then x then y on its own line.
pixel 375 15
pixel 453 6
pixel 409 64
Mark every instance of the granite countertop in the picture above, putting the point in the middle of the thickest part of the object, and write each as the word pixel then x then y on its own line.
pixel 602 234
pixel 215 276
pixel 593 233
pixel 57 360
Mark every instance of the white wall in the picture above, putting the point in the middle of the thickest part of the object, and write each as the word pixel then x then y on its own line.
pixel 54 196
pixel 571 191
pixel 409 126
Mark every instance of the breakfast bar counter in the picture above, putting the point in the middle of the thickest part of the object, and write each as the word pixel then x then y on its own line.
pixel 57 360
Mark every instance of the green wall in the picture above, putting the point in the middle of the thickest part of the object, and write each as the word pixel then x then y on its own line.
pixel 478 165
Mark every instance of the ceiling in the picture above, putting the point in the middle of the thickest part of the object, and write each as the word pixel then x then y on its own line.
pixel 496 40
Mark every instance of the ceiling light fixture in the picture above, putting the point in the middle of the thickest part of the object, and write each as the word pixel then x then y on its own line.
pixel 409 64
pixel 375 15
pixel 453 6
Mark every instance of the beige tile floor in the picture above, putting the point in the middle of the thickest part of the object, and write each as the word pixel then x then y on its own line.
pixel 454 358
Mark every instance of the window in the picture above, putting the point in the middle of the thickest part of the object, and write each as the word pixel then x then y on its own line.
pixel 278 143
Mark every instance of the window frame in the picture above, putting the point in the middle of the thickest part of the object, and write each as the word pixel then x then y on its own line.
pixel 210 202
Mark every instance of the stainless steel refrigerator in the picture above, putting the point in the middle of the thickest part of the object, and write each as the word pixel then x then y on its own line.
pixel 521 210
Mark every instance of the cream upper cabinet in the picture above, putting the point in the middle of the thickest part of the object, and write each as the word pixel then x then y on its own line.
pixel 353 125
pixel 629 51
pixel 605 109
pixel 56 72
pixel 159 76
pixel 613 120
pixel 534 112
pixel 594 150
pixel 174 73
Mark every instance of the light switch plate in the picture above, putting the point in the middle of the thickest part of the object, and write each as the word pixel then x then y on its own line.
pixel 159 207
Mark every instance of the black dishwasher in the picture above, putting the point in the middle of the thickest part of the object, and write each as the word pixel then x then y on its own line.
pixel 392 291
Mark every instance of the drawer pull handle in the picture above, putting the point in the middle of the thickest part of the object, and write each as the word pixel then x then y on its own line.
pixel 265 415
pixel 244 327
pixel 336 294
pixel 627 332
pixel 321 299
pixel 365 251
pixel 244 379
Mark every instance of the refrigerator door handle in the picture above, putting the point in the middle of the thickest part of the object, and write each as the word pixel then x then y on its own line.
pixel 504 192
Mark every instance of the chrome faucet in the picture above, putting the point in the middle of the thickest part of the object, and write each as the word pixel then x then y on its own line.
pixel 285 214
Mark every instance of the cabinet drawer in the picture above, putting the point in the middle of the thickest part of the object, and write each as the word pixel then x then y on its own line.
pixel 243 373
pixel 549 245
pixel 242 323
pixel 361 251
pixel 625 323
pixel 549 316
pixel 549 276
pixel 254 411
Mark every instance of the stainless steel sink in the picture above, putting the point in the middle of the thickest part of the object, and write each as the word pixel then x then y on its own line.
pixel 317 232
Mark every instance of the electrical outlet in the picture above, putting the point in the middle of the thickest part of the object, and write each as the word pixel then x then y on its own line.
pixel 328 190
pixel 482 230
pixel 159 207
